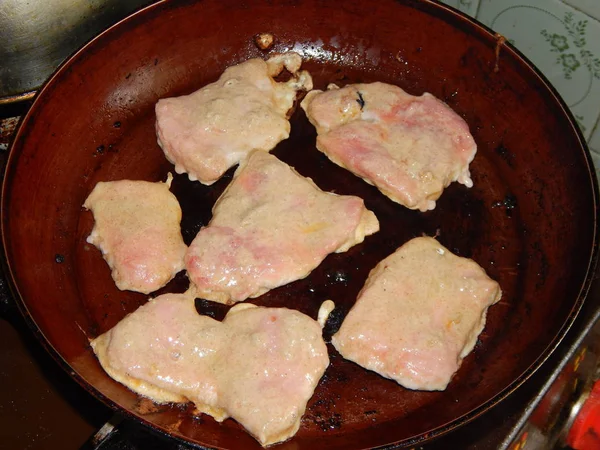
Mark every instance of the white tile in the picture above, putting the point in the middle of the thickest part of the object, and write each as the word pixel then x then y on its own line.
pixel 594 146
pixel 589 7
pixel 561 41
pixel 594 141
pixel 596 160
pixel 466 6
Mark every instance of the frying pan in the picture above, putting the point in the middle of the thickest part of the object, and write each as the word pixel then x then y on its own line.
pixel 530 220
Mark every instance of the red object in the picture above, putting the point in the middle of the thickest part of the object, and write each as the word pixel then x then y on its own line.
pixel 585 432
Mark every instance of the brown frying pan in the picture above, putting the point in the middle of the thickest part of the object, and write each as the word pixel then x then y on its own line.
pixel 530 220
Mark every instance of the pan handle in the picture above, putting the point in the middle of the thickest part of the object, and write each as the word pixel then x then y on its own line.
pixel 120 433
pixel 106 437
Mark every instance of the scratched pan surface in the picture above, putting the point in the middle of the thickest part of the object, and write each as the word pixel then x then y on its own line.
pixel 529 220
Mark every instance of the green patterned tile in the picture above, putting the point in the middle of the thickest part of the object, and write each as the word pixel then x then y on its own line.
pixel 466 6
pixel 589 7
pixel 561 41
pixel 594 145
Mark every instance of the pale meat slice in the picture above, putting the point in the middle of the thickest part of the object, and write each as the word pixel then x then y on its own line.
pixel 410 148
pixel 270 227
pixel 259 366
pixel 166 351
pixel 137 228
pixel 418 315
pixel 207 132
pixel 275 358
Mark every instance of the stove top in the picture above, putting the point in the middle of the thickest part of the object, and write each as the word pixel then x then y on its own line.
pixel 43 408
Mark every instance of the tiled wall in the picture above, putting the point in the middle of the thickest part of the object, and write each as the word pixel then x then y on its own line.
pixel 562 38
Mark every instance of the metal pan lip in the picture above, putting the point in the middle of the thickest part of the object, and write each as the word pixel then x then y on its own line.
pixel 432 7
pixel 17 98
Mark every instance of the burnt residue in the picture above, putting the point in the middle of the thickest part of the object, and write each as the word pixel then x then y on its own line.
pixel 360 100
pixel 59 259
pixel 538 194
pixel 332 422
pixel 505 154
pixel 211 309
pixel 449 97
pixel 339 77
pixel 323 403
pixel 196 201
pixel 509 203
pixel 338 276
pixel 333 324
pixel 538 255
pixel 178 285
pixel 322 414
pixel 117 124
pixel 100 149
pixel 468 224
pixel 341 377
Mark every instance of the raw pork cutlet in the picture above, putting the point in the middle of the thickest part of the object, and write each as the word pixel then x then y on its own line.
pixel 270 227
pixel 137 228
pixel 418 315
pixel 259 366
pixel 409 147
pixel 209 131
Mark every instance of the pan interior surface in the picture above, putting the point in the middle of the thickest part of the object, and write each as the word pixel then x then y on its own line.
pixel 529 220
